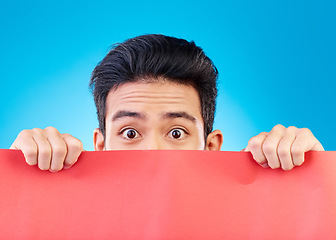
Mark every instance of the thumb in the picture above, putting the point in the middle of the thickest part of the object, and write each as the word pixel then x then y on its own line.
pixel 247 149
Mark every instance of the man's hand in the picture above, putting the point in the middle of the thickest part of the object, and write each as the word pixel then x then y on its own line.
pixel 47 148
pixel 282 147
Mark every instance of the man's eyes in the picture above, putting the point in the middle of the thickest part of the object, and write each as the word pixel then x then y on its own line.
pixel 177 133
pixel 130 133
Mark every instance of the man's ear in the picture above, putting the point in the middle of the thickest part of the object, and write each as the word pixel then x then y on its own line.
pixel 98 140
pixel 214 141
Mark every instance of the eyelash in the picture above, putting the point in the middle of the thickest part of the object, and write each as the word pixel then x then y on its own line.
pixel 122 131
pixel 181 129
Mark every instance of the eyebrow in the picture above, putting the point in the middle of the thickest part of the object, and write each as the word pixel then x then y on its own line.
pixel 139 115
pixel 122 114
pixel 185 115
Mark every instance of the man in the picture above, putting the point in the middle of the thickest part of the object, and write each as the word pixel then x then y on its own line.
pixel 158 92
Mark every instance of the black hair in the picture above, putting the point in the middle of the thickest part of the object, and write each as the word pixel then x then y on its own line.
pixel 156 56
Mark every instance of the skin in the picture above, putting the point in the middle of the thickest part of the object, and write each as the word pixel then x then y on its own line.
pixel 283 147
pixel 153 113
pixel 160 115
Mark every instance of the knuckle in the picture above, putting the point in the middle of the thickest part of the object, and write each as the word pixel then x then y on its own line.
pixel 282 152
pixel 260 161
pixel 268 148
pixel 296 151
pixel 292 129
pixel 30 153
pixel 298 162
pixel 30 162
pixel 274 165
pixel 287 167
pixel 43 167
pixel 278 127
pixel 37 130
pixel 305 132
pixel 51 129
pixel 256 141
pixel 44 153
pixel 59 151
pixel 75 144
pixel 25 133
pixel 56 168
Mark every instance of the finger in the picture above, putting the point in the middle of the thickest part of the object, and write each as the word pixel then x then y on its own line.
pixel 284 148
pixel 305 141
pixel 27 145
pixel 43 149
pixel 58 149
pixel 255 147
pixel 74 149
pixel 317 146
pixel 270 146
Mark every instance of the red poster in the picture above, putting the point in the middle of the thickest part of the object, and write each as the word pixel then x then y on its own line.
pixel 168 195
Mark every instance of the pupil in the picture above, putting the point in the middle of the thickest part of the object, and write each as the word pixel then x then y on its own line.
pixel 131 134
pixel 176 134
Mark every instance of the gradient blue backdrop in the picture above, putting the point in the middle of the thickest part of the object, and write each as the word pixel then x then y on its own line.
pixel 276 61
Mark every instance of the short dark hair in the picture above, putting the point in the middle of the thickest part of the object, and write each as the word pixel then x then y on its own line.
pixel 156 56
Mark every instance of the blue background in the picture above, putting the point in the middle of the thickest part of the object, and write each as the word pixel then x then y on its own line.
pixel 276 61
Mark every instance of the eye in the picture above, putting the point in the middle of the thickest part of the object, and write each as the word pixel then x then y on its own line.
pixel 130 133
pixel 177 133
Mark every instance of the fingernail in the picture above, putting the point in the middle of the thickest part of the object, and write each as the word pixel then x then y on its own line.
pixel 66 167
pixel 265 165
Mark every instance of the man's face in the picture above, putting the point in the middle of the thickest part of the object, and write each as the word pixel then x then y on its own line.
pixel 149 116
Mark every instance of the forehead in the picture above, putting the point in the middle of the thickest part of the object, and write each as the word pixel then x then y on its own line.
pixel 153 97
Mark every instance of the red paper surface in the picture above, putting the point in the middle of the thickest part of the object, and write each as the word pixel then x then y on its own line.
pixel 168 195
